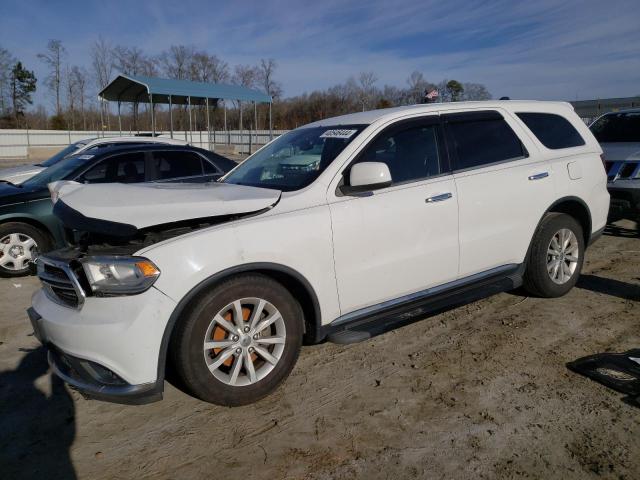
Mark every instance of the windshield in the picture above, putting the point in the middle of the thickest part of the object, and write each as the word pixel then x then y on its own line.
pixel 617 127
pixel 295 159
pixel 61 154
pixel 59 171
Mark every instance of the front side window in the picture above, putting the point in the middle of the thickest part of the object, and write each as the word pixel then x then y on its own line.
pixel 411 153
pixel 552 130
pixel 482 138
pixel 295 159
pixel 617 127
pixel 125 168
pixel 176 164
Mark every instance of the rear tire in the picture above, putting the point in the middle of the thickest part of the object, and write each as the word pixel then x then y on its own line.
pixel 19 244
pixel 556 257
pixel 238 341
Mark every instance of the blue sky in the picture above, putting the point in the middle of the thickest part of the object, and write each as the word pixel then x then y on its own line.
pixel 540 50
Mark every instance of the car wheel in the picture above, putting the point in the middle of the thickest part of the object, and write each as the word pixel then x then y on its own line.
pixel 556 256
pixel 239 341
pixel 19 246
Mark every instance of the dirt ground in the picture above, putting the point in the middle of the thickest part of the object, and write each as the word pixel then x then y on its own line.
pixel 481 391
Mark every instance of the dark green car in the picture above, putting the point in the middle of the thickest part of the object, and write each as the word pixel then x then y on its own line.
pixel 27 224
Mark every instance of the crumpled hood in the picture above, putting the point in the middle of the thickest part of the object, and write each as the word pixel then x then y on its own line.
pixel 621 151
pixel 20 173
pixel 145 205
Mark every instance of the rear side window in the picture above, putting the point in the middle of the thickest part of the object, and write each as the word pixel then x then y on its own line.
pixel 553 131
pixel 482 138
pixel 176 164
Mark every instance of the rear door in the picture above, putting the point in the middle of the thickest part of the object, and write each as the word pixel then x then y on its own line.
pixel 177 166
pixel 503 185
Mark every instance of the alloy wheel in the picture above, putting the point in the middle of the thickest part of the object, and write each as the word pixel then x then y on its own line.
pixel 17 251
pixel 244 341
pixel 562 256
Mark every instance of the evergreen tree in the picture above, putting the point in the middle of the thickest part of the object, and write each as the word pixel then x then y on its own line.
pixel 23 84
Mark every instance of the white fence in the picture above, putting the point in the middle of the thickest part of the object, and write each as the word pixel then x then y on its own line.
pixel 16 143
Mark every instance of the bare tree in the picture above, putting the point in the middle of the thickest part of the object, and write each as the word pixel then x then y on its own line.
pixel 208 68
pixel 176 62
pixel 266 71
pixel 132 61
pixel 245 75
pixel 70 85
pixel 53 58
pixel 102 63
pixel 366 90
pixel 128 60
pixel 475 91
pixel 79 77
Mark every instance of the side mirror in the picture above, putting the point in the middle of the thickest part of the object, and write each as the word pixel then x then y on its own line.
pixel 366 176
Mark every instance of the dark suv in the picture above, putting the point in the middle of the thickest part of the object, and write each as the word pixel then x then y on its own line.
pixel 619 136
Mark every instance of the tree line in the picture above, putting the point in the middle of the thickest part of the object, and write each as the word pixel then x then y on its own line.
pixel 73 91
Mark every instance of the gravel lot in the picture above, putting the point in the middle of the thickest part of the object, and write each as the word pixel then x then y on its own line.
pixel 478 392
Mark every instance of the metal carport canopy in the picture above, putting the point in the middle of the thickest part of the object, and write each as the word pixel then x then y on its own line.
pixel 140 89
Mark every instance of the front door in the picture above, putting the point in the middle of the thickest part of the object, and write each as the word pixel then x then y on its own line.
pixel 401 239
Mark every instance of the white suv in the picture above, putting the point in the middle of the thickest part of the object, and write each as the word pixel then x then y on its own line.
pixel 339 230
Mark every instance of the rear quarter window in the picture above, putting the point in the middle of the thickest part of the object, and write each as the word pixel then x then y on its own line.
pixel 553 131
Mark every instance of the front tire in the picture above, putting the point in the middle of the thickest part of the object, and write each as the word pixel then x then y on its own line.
pixel 239 341
pixel 20 244
pixel 556 257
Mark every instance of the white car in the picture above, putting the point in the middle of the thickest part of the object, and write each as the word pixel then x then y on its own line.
pixel 19 174
pixel 339 230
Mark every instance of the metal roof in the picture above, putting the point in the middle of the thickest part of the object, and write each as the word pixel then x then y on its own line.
pixel 137 88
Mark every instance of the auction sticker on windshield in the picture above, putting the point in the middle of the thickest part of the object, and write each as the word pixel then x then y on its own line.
pixel 338 133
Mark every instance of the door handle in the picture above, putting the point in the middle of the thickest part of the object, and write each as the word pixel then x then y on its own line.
pixel 539 176
pixel 439 198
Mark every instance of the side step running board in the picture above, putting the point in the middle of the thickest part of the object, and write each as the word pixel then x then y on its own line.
pixel 378 321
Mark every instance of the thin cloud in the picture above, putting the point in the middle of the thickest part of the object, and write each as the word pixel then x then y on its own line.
pixel 545 49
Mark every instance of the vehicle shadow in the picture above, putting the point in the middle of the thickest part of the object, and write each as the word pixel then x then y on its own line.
pixel 37 430
pixel 621 231
pixel 609 286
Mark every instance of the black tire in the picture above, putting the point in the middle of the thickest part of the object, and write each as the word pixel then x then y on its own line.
pixel 188 356
pixel 537 280
pixel 43 244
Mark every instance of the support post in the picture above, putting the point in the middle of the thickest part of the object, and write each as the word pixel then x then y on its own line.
pixel 101 115
pixel 119 120
pixel 190 124
pixel 153 117
pixel 241 130
pixel 226 130
pixel 255 122
pixel 208 124
pixel 270 123
pixel 170 117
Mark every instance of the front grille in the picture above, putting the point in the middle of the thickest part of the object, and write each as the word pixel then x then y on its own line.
pixel 622 170
pixel 60 283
